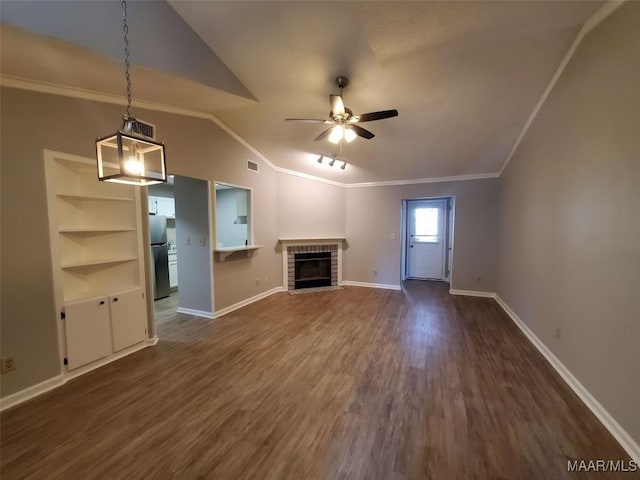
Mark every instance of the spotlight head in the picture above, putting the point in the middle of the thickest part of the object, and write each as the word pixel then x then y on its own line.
pixel 333 160
pixel 344 165
pixel 320 158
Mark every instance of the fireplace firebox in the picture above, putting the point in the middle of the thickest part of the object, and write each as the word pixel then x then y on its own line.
pixel 312 270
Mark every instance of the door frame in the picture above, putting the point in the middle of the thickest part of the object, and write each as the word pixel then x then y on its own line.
pixel 151 311
pixel 449 232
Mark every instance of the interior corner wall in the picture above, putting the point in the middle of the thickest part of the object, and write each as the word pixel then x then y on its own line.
pixel 195 148
pixel 194 244
pixel 373 216
pixel 309 209
pixel 570 219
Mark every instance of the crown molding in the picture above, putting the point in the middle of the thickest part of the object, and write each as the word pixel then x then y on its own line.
pixel 603 12
pixel 389 183
pixel 91 95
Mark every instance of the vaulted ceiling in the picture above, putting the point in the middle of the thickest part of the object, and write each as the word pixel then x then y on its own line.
pixel 464 76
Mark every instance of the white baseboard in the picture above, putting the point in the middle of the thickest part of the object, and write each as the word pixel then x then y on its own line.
pixel 619 433
pixel 244 303
pixel 197 313
pixel 105 361
pixel 384 286
pixel 59 380
pixel 472 293
pixel 31 392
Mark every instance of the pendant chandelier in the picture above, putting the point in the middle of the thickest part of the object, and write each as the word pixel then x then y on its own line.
pixel 128 155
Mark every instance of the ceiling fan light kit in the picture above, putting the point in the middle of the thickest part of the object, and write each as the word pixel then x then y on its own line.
pixel 342 120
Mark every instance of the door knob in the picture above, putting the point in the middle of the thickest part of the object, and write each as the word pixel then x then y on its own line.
pixel 411 246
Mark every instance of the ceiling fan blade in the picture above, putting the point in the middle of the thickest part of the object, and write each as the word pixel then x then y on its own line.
pixel 323 135
pixel 337 106
pixel 307 120
pixel 362 132
pixel 369 117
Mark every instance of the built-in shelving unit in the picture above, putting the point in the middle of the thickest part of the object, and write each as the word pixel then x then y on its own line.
pixel 97 255
pixel 97 261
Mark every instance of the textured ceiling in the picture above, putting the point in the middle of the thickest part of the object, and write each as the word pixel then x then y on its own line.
pixel 464 76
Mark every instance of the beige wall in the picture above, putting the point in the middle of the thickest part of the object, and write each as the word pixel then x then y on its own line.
pixel 307 208
pixel 570 219
pixel 195 148
pixel 374 214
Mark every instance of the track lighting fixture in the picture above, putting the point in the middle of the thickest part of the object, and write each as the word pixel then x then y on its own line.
pixel 331 160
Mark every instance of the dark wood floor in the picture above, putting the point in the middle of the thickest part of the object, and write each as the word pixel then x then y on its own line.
pixel 351 384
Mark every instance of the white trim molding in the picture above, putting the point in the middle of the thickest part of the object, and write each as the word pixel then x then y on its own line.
pixel 196 313
pixel 472 293
pixel 384 286
pixel 603 12
pixel 54 382
pixel 28 84
pixel 91 95
pixel 619 433
pixel 390 183
pixel 31 392
pixel 224 311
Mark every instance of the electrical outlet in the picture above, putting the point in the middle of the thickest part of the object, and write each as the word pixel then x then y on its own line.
pixel 257 282
pixel 479 279
pixel 558 333
pixel 203 242
pixel 188 240
pixel 393 236
pixel 8 364
pixel 375 273
pixel 266 278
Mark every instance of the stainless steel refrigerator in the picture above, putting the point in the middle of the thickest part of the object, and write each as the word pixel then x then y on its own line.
pixel 159 256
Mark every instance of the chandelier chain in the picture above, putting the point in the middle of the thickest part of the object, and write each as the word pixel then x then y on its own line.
pixel 125 30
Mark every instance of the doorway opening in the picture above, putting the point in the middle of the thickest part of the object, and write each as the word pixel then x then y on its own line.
pixel 427 246
pixel 180 264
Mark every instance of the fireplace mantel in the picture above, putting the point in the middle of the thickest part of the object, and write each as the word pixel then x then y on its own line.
pixel 291 243
pixel 312 241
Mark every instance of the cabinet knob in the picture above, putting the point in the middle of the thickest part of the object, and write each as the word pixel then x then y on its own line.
pixel 101 302
pixel 115 299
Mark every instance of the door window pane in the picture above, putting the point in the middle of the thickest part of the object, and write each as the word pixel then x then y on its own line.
pixel 426 225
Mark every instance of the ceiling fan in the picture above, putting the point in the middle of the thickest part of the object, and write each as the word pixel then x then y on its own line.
pixel 342 120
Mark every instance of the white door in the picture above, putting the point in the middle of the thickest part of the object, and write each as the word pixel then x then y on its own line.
pixel 128 319
pixel 87 331
pixel 426 238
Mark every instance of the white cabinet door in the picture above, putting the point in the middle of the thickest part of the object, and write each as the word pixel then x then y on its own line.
pixel 241 203
pixel 128 319
pixel 87 331
pixel 171 207
pixel 173 271
pixel 166 207
pixel 153 206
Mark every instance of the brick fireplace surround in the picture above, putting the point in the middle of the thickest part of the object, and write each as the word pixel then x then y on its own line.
pixel 292 246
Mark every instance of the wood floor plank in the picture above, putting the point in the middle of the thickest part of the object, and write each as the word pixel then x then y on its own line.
pixel 348 384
